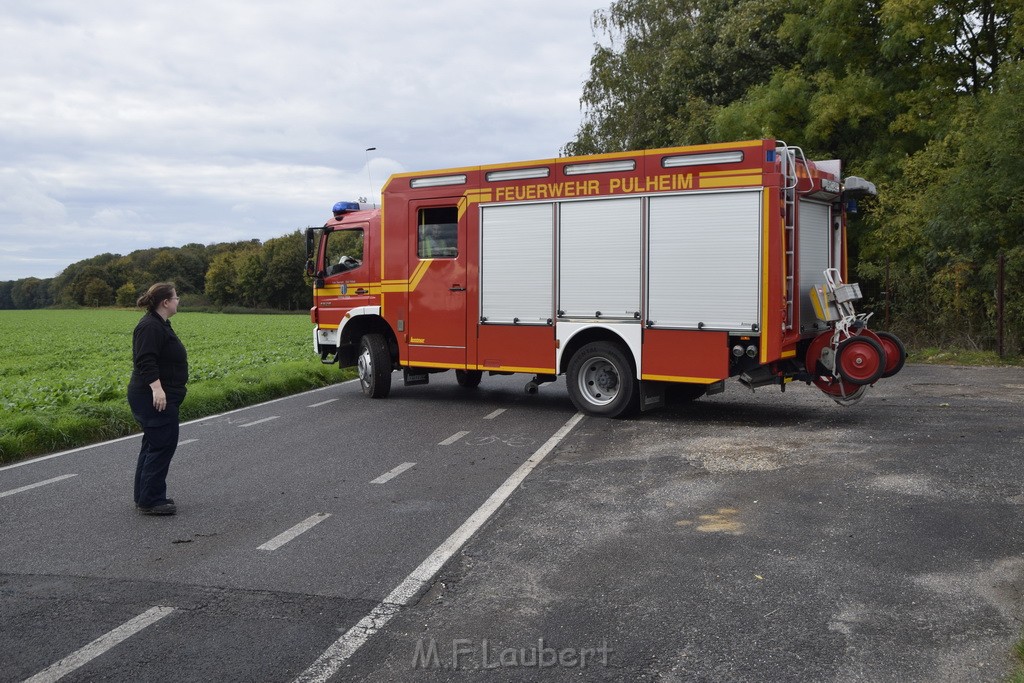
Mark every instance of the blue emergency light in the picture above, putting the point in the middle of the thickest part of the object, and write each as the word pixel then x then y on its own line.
pixel 345 207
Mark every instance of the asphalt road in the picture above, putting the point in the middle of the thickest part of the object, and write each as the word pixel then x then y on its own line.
pixel 759 537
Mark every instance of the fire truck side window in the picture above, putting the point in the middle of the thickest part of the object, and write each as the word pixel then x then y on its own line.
pixel 344 251
pixel 438 233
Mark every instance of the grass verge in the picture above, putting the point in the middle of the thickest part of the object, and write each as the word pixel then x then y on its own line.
pixel 936 356
pixel 48 431
pixel 1017 674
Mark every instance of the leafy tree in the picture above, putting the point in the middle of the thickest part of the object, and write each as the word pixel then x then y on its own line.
pixel 6 302
pixel 126 295
pixel 97 293
pixel 668 65
pixel 956 206
pixel 284 285
pixel 30 293
pixel 222 278
pixel 251 269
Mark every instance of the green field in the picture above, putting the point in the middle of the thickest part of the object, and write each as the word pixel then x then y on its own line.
pixel 63 373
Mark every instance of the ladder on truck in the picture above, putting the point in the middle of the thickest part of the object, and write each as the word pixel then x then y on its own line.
pixel 788 158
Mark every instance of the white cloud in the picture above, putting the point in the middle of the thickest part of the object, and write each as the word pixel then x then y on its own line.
pixel 133 125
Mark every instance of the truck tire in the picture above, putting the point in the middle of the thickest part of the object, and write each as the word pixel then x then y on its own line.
pixel 374 366
pixel 468 378
pixel 601 382
pixel 895 353
pixel 860 360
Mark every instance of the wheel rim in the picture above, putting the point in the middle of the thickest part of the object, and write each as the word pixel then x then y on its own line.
pixel 364 366
pixel 599 381
pixel 858 361
pixel 895 354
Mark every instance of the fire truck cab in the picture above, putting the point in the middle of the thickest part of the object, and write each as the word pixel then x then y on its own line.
pixel 640 276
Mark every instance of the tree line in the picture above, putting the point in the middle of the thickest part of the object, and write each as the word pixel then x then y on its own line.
pixel 922 97
pixel 250 275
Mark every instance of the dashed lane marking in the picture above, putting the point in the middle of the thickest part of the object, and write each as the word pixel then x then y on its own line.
pixel 97 647
pixel 257 422
pixel 4 494
pixel 495 414
pixel 300 528
pixel 388 476
pixel 453 438
pixel 322 403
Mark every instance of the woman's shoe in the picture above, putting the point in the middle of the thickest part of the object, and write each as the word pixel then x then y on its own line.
pixel 161 509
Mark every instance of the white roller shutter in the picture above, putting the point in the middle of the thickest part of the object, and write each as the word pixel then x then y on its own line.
pixel 705 260
pixel 599 258
pixel 516 247
pixel 814 246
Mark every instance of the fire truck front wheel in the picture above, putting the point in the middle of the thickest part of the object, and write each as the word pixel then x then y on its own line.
pixel 374 366
pixel 601 382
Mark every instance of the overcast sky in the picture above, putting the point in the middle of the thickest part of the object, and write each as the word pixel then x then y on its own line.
pixel 126 125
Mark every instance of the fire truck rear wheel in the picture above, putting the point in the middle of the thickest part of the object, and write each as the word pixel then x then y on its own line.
pixel 374 366
pixel 601 382
pixel 468 378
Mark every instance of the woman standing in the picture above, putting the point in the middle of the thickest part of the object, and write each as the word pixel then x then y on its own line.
pixel 155 391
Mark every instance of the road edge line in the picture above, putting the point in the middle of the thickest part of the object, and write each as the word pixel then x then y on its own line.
pixel 41 458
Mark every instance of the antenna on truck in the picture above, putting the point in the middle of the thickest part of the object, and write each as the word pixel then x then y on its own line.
pixel 368 176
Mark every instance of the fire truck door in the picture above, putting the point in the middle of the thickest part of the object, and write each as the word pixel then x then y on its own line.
pixel 347 274
pixel 437 285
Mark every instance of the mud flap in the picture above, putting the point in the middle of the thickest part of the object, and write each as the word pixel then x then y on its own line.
pixel 652 395
pixel 414 377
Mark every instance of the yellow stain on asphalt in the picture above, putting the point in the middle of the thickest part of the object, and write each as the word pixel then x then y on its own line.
pixel 722 522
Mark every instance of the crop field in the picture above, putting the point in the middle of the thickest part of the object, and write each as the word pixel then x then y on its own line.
pixel 63 373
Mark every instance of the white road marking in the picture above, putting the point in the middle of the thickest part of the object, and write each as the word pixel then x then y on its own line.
pixel 41 458
pixel 266 419
pixel 388 476
pixel 452 439
pixel 182 443
pixel 322 403
pixel 340 650
pixel 36 485
pixel 97 647
pixel 300 528
pixel 495 414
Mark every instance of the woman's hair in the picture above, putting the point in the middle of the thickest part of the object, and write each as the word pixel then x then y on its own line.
pixel 161 291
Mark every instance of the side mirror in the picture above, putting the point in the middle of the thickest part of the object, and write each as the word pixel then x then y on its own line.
pixel 310 267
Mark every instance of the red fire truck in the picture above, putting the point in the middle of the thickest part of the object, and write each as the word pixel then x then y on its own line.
pixel 641 276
